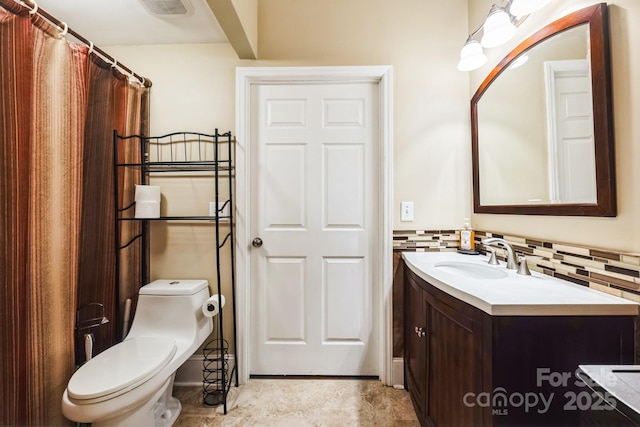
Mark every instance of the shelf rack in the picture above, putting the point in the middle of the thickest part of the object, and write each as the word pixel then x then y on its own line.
pixel 185 152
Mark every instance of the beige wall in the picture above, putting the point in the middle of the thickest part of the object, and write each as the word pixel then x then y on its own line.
pixel 619 233
pixel 194 90
pixel 247 11
pixel 194 85
pixel 420 40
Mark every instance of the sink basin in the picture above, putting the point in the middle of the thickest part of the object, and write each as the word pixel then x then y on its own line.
pixel 476 271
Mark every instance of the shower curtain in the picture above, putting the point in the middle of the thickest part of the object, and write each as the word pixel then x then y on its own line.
pixel 59 105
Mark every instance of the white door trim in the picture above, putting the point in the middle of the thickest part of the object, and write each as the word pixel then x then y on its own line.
pixel 245 78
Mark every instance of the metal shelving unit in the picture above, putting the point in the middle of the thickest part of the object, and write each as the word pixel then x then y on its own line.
pixel 186 152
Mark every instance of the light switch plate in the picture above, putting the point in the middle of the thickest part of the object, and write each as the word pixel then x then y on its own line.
pixel 406 211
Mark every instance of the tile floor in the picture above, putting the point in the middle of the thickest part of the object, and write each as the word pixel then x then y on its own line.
pixel 301 403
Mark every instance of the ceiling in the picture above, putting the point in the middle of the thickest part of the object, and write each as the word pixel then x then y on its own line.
pixel 127 22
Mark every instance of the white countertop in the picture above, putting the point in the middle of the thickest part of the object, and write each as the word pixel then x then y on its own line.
pixel 621 382
pixel 515 294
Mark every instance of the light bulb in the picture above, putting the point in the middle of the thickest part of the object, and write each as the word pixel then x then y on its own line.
pixel 471 56
pixel 520 60
pixel 497 28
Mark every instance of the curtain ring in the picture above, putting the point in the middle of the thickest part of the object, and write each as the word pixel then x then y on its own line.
pixel 143 81
pixel 114 64
pixel 35 8
pixel 90 48
pixel 65 29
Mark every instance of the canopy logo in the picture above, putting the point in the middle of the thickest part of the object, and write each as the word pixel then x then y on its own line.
pixel 501 401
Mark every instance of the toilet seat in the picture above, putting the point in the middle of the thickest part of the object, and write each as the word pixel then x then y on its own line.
pixel 120 368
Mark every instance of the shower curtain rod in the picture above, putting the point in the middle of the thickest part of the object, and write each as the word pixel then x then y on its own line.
pixel 35 9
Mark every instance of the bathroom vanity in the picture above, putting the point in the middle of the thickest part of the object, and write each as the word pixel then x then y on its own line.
pixel 485 346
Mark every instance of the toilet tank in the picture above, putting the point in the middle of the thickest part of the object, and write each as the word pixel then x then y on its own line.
pixel 172 308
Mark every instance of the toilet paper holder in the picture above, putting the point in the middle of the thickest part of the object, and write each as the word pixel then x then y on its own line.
pixel 85 339
pixel 92 322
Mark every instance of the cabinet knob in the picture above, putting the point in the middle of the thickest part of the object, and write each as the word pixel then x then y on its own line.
pixel 420 332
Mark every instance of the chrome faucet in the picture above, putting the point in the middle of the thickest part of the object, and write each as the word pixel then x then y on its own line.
pixel 511 261
pixel 523 268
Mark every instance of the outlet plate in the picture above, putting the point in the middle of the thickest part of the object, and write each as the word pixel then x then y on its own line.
pixel 222 210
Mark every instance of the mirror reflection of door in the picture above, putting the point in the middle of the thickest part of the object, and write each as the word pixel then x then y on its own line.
pixel 571 151
pixel 518 164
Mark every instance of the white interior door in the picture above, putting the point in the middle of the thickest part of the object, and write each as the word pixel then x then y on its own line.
pixel 314 171
pixel 571 140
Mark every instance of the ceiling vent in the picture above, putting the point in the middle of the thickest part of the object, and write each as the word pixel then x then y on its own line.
pixel 167 8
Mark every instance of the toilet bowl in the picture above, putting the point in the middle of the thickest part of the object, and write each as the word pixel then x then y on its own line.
pixel 131 383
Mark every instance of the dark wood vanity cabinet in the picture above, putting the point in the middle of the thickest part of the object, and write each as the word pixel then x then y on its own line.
pixel 464 367
pixel 443 359
pixel 415 355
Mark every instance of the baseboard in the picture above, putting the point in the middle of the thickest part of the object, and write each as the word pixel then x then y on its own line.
pixel 190 373
pixel 397 372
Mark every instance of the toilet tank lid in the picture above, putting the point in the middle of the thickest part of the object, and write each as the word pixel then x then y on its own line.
pixel 174 287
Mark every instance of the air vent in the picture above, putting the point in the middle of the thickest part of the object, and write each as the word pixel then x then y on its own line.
pixel 168 7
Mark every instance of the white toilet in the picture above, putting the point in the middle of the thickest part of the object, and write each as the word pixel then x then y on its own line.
pixel 130 384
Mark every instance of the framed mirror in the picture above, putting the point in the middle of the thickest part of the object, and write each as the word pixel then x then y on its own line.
pixel 542 124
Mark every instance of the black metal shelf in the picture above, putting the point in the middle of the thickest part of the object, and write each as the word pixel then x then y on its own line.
pixel 184 152
pixel 224 219
pixel 158 167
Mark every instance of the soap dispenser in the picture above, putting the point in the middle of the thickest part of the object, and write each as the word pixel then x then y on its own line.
pixel 467 237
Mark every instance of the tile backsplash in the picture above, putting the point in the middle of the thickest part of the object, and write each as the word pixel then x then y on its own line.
pixel 609 271
pixel 424 241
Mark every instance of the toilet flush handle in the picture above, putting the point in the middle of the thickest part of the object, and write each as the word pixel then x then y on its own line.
pixel 257 242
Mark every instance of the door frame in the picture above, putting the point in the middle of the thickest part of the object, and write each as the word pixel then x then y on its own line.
pixel 246 77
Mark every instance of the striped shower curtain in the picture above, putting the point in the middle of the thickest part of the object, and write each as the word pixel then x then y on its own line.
pixel 58 108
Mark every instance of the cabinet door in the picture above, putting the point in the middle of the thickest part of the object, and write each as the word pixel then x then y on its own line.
pixel 415 345
pixel 454 351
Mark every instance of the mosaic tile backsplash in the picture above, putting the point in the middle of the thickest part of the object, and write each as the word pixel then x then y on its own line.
pixel 608 271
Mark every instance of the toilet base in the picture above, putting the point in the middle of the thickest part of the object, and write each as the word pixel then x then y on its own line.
pixel 167 413
pixel 161 410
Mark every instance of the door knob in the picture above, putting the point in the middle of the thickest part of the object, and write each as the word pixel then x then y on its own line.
pixel 257 242
pixel 419 332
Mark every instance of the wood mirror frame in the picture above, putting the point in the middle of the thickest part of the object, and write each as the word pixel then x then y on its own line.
pixel 597 18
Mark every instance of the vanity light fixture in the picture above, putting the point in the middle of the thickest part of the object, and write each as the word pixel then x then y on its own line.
pixel 498 28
